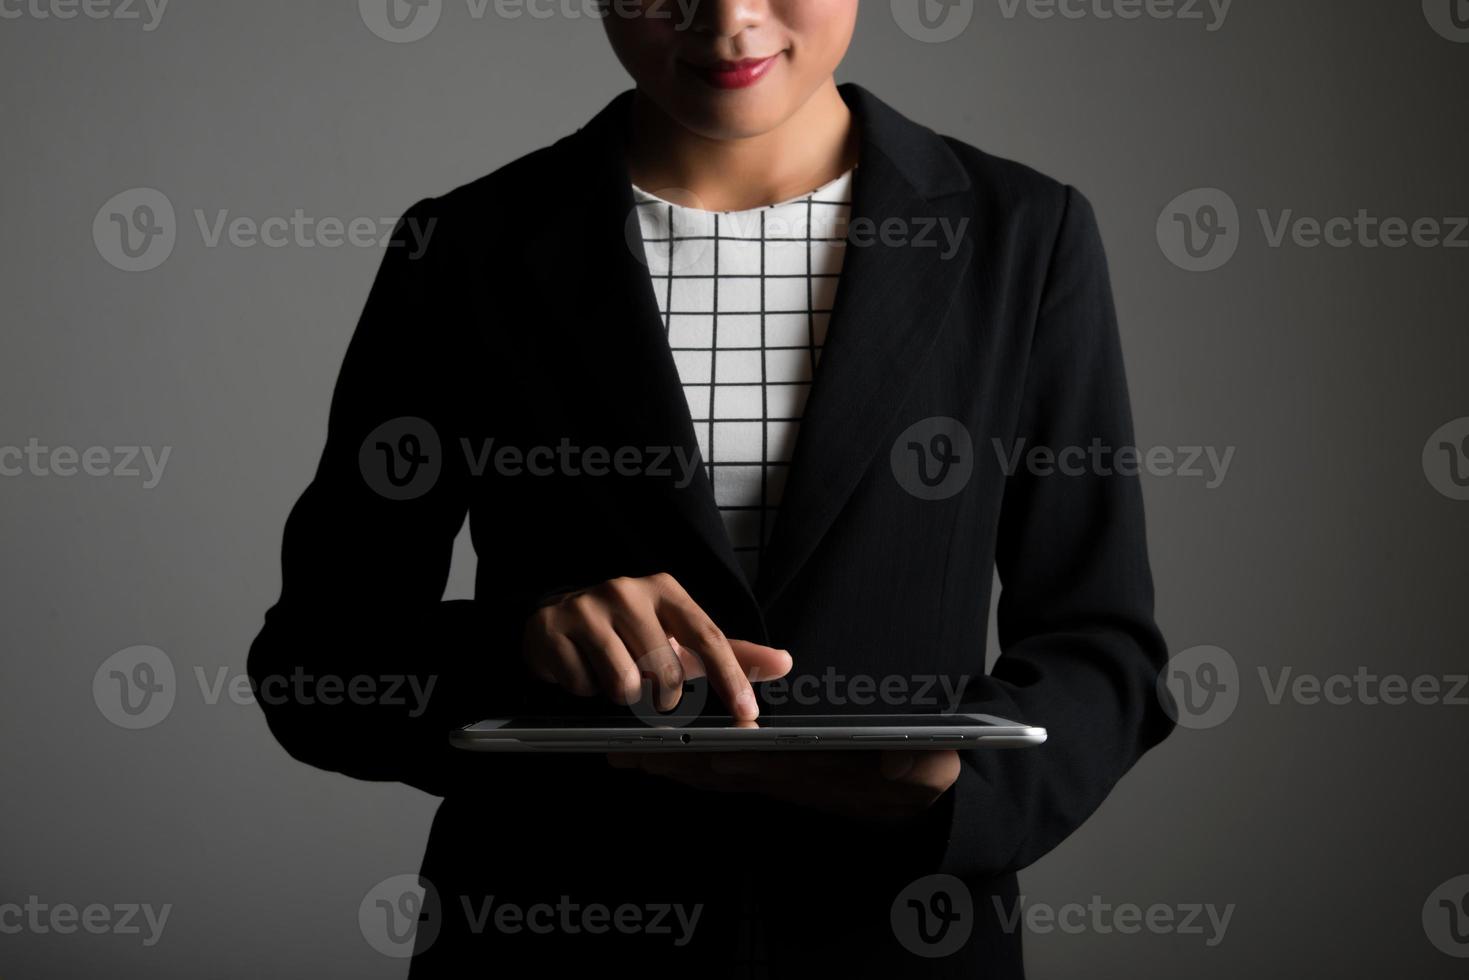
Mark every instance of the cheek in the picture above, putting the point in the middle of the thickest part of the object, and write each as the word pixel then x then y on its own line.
pixel 645 46
pixel 823 28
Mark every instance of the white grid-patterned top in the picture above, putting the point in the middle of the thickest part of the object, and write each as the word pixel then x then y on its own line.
pixel 746 298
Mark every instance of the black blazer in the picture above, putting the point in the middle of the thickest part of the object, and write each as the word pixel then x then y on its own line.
pixel 530 319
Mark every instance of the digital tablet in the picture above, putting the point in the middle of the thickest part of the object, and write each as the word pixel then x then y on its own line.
pixel 722 734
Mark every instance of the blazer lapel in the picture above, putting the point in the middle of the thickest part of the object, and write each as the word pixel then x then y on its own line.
pixel 889 311
pixel 624 362
pixel 890 306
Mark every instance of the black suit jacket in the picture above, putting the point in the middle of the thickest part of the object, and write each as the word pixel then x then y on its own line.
pixel 530 319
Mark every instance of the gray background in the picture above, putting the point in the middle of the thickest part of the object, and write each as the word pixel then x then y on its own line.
pixel 1325 549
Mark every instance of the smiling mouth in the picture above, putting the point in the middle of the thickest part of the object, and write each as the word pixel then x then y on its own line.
pixel 733 74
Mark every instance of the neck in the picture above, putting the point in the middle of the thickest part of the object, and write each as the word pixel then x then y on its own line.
pixel 817 144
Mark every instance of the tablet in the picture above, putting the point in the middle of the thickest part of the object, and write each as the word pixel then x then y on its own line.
pixel 722 734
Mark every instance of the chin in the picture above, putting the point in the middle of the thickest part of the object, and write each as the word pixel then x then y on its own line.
pixel 729 115
pixel 722 124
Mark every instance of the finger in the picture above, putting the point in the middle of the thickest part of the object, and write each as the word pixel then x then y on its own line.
pixel 647 643
pixel 685 621
pixel 688 659
pixel 761 663
pixel 608 662
pixel 936 770
pixel 555 654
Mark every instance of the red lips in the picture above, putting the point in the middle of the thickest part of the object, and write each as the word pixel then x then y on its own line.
pixel 735 74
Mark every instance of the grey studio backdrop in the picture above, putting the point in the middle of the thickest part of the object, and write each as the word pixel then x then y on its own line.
pixel 1324 821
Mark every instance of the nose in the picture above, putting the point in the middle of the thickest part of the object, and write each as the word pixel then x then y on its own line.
pixel 727 18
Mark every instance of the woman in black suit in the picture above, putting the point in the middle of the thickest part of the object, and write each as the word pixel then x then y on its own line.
pixel 541 367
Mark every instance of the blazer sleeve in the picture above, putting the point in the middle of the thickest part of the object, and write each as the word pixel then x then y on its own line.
pixel 1080 652
pixel 360 667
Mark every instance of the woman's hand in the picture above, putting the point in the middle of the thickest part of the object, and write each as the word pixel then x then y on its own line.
pixel 880 786
pixel 609 638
